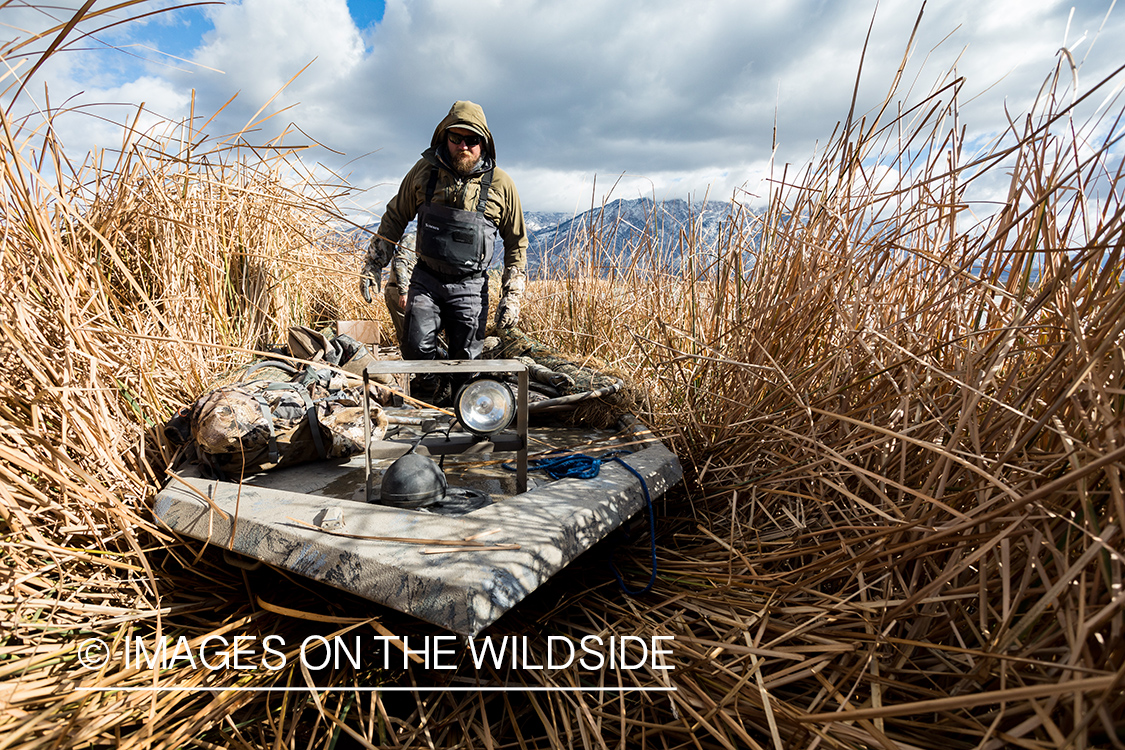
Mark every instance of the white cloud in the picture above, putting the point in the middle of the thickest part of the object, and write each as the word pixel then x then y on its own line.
pixel 102 123
pixel 683 96
pixel 261 44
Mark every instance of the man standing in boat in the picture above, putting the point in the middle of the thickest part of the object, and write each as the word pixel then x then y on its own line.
pixel 462 201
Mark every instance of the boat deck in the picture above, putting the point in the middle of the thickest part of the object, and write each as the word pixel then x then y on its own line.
pixel 458 572
pixel 480 467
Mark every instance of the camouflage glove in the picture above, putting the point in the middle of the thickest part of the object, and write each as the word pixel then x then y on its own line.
pixel 378 254
pixel 372 275
pixel 508 313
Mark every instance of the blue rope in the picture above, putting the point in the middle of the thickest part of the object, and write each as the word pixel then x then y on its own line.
pixel 577 466
pixel 581 466
pixel 651 536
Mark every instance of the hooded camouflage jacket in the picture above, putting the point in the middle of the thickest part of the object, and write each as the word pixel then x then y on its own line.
pixel 503 208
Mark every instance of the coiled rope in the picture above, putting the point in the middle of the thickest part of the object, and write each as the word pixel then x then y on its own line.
pixel 581 466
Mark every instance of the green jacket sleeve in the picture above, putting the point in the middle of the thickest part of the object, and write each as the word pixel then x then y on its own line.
pixel 513 230
pixel 402 208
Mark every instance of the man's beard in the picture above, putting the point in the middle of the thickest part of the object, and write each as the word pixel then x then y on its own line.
pixel 464 162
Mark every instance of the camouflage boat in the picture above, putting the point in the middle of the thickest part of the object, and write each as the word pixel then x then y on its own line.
pixel 443 516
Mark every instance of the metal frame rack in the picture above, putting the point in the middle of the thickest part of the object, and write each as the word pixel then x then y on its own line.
pixel 505 440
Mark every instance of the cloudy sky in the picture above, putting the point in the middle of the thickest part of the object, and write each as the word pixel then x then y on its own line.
pixel 660 97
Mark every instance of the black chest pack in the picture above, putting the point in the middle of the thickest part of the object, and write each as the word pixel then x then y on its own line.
pixel 453 243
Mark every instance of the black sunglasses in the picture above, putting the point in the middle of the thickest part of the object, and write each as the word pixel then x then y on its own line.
pixel 469 140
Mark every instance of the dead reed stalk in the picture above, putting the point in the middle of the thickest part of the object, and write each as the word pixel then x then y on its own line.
pixel 902 428
pixel 126 285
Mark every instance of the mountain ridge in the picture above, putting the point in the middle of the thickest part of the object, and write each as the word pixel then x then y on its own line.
pixel 609 234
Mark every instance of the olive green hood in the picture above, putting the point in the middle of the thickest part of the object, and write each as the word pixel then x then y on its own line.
pixel 471 117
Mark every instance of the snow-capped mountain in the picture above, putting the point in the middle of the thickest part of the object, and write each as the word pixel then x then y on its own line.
pixel 613 233
pixel 539 220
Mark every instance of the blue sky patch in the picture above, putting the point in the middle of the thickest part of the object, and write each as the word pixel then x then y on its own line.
pixel 366 12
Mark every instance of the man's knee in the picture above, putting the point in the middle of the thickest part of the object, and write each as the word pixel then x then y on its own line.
pixel 423 320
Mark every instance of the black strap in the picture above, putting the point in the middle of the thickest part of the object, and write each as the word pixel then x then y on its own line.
pixel 431 185
pixel 485 185
pixel 310 416
pixel 264 405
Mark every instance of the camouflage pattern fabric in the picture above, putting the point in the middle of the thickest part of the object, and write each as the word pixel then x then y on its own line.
pixel 341 351
pixel 592 375
pixel 263 425
pixel 398 282
pixel 286 414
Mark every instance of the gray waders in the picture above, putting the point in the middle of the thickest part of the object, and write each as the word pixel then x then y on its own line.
pixel 449 286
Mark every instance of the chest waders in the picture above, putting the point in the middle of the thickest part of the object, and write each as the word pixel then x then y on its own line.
pixel 449 288
pixel 453 243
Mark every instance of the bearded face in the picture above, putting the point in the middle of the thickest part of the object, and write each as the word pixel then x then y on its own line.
pixel 462 156
pixel 465 161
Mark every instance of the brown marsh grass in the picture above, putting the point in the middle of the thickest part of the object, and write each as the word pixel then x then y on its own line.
pixel 901 429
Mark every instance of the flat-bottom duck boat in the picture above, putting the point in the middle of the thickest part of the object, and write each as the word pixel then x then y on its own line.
pixel 441 516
